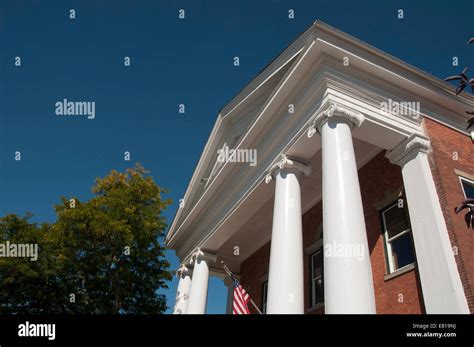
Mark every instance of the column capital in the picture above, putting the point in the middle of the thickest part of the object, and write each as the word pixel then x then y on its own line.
pixel 408 149
pixel 199 255
pixel 334 111
pixel 183 271
pixel 288 163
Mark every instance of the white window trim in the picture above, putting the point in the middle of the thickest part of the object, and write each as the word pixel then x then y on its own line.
pixel 462 178
pixel 387 241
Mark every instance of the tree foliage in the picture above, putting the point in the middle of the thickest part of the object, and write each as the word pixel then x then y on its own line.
pixel 104 255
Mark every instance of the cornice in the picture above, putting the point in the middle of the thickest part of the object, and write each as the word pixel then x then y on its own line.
pixel 292 77
pixel 192 185
pixel 321 29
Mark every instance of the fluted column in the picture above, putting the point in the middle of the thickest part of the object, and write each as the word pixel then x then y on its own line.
pixel 348 285
pixel 285 278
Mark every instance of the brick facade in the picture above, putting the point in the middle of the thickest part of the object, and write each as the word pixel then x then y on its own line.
pixel 454 151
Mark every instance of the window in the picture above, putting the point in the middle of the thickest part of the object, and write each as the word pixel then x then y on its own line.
pixel 317 284
pixel 397 235
pixel 264 297
pixel 468 187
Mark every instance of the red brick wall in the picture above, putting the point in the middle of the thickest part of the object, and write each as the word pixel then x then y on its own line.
pixel 378 180
pixel 445 143
pixel 252 270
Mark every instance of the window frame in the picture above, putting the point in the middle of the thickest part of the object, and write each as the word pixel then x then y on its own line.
pixel 387 241
pixel 312 280
pixel 469 181
pixel 264 296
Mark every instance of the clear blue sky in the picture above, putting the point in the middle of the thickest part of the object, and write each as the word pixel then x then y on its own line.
pixel 172 61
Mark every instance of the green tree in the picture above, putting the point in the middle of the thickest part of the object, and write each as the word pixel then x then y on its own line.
pixel 105 255
pixel 29 286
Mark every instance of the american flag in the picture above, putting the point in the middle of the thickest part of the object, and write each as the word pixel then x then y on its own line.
pixel 241 300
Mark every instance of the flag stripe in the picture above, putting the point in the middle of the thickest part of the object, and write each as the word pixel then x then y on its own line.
pixel 241 300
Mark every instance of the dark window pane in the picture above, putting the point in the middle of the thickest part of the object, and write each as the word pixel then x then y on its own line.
pixel 264 297
pixel 319 291
pixel 317 283
pixel 395 221
pixel 402 251
pixel 317 259
pixel 468 189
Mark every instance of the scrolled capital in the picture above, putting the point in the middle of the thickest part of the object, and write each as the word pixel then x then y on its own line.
pixel 408 149
pixel 183 271
pixel 288 163
pixel 336 112
pixel 199 256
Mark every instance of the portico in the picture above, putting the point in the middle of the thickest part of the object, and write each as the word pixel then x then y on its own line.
pixel 231 209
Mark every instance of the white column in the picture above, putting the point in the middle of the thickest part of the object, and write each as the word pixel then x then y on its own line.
pixel 285 278
pixel 440 281
pixel 184 287
pixel 230 295
pixel 198 295
pixel 348 284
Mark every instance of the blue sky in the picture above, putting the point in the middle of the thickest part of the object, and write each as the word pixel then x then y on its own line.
pixel 173 61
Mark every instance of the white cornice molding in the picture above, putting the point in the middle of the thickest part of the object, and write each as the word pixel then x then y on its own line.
pixel 321 29
pixel 192 185
pixel 288 163
pixel 281 92
pixel 339 113
pixel 408 149
pixel 286 56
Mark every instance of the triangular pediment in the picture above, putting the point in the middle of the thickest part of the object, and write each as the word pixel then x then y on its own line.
pixel 238 120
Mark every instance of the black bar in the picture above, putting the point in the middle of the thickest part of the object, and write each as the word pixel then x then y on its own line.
pixel 382 330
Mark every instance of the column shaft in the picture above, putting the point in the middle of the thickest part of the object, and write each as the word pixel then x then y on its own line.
pixel 182 294
pixel 440 281
pixel 348 284
pixel 285 279
pixel 199 285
